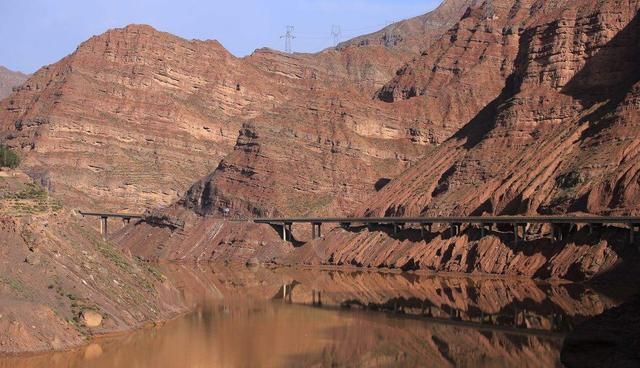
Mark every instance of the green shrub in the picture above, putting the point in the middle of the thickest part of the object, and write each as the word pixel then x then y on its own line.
pixel 8 158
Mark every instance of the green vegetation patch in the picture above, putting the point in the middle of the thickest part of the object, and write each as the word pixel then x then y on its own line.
pixel 15 284
pixel 8 158
pixel 114 255
pixel 29 199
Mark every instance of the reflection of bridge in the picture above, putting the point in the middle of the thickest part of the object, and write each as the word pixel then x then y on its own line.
pixel 514 323
pixel 126 218
pixel 561 225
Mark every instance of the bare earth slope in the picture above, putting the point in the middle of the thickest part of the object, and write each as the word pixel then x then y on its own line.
pixel 9 80
pixel 54 268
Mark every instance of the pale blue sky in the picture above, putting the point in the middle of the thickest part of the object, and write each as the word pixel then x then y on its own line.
pixel 34 33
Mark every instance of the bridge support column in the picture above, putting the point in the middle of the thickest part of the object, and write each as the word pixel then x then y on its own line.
pixel 516 232
pixel 454 228
pixel 424 226
pixel 284 231
pixel 103 226
pixel 557 232
pixel 316 230
pixel 483 228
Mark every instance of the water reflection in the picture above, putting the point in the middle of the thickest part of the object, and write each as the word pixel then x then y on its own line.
pixel 293 318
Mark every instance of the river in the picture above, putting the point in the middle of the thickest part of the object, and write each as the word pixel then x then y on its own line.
pixel 262 317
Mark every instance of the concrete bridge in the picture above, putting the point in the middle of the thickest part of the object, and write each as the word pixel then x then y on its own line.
pixel 104 217
pixel 561 225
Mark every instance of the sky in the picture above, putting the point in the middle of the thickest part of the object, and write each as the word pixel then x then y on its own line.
pixel 34 33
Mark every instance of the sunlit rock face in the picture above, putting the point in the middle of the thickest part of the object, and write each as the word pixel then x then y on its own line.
pixel 134 116
pixel 130 118
pixel 561 136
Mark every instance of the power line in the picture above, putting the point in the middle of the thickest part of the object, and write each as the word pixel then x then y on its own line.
pixel 288 37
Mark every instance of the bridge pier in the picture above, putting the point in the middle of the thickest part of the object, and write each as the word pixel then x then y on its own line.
pixel 483 228
pixel 557 232
pixel 397 227
pixel 103 226
pixel 423 226
pixel 516 235
pixel 632 229
pixel 316 231
pixel 454 228
pixel 286 226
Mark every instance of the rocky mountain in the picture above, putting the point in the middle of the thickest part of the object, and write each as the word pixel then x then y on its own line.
pixel 9 80
pixel 539 97
pixel 134 116
pixel 416 34
pixel 480 42
pixel 124 119
pixel 519 107
pixel 561 137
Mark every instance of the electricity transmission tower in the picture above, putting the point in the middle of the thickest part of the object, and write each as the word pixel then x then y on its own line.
pixel 336 33
pixel 288 37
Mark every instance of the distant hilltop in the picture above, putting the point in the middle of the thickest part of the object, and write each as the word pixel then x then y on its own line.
pixel 10 79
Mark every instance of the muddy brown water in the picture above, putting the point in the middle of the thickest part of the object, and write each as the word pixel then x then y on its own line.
pixel 302 318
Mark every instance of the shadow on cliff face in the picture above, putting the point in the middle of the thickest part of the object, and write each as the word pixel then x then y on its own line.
pixel 477 129
pixel 607 76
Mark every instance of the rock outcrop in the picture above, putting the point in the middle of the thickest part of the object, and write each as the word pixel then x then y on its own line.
pixel 562 135
pixel 10 80
pixel 415 34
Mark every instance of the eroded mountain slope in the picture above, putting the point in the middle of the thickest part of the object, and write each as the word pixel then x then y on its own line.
pixel 561 137
pixel 134 116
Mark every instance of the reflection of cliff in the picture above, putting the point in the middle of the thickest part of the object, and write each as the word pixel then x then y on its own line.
pixel 521 304
pixel 608 340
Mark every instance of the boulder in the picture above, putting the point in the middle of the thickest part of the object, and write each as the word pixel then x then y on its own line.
pixel 91 318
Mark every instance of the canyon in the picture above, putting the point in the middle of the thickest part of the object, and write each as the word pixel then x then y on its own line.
pixel 496 107
pixel 543 96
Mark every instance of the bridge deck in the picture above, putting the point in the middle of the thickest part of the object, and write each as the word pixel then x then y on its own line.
pixel 458 219
pixel 111 215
